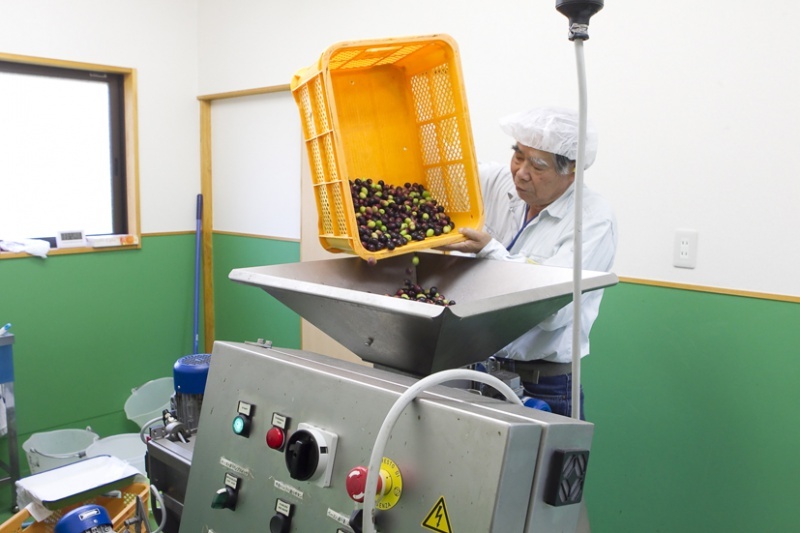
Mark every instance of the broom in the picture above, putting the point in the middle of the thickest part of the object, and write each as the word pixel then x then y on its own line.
pixel 198 234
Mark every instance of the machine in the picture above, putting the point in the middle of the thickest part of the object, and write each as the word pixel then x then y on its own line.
pixel 171 445
pixel 285 436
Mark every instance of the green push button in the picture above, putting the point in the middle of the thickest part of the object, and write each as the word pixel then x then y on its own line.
pixel 241 425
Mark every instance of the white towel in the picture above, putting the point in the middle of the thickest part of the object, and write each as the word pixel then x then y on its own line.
pixel 37 247
pixel 90 477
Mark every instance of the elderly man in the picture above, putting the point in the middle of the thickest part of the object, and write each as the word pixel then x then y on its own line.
pixel 529 207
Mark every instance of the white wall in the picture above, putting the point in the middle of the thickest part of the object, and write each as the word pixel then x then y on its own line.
pixel 696 103
pixel 159 40
pixel 255 162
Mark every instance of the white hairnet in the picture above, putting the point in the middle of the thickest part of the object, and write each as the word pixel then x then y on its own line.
pixel 551 129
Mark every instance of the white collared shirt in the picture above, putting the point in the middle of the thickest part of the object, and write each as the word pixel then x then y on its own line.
pixel 548 240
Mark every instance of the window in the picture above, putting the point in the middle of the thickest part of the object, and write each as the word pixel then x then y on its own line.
pixel 67 149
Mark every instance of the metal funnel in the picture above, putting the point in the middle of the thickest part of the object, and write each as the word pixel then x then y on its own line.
pixel 496 302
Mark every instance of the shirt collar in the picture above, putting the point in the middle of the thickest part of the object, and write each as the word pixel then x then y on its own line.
pixel 562 205
pixel 515 202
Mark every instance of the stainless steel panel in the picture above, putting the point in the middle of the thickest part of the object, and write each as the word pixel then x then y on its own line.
pixel 496 302
pixel 485 457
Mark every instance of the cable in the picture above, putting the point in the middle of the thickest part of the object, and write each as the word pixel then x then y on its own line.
pixel 577 245
pixel 153 488
pixel 373 469
pixel 160 499
pixel 147 426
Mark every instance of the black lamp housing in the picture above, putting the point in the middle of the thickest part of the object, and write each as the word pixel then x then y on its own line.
pixel 578 12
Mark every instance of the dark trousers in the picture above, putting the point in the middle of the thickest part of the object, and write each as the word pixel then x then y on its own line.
pixel 556 391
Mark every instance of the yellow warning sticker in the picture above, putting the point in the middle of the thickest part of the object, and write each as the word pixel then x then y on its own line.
pixel 438 520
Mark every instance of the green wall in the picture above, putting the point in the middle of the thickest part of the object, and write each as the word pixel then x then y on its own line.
pixel 694 397
pixel 90 327
pixel 246 313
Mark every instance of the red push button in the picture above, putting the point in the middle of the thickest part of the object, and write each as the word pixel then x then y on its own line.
pixel 356 481
pixel 276 438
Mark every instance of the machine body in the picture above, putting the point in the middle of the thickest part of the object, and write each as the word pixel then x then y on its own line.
pixel 168 465
pixel 284 435
pixel 170 448
pixel 456 461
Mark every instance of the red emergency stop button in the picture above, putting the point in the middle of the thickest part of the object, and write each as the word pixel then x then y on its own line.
pixel 276 438
pixel 356 481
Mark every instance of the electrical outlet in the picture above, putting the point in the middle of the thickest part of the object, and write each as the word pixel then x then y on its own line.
pixel 685 252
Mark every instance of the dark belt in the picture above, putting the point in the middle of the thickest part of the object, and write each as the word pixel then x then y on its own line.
pixel 531 371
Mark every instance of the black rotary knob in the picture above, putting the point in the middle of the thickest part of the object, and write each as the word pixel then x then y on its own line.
pixel 302 455
pixel 280 523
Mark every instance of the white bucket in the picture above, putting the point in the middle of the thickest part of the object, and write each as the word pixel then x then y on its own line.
pixel 127 446
pixel 149 401
pixel 61 447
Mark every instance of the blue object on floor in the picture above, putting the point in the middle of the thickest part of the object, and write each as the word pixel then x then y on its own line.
pixel 87 518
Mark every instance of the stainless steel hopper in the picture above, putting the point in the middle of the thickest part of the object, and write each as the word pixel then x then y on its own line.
pixel 496 302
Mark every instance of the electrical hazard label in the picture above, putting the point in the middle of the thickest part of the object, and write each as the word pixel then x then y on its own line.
pixel 438 520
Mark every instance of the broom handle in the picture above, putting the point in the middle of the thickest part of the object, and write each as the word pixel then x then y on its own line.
pixel 197 270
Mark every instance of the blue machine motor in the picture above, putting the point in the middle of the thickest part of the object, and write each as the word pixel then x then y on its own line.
pixel 85 519
pixel 189 376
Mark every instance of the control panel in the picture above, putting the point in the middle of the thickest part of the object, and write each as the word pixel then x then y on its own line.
pixel 285 438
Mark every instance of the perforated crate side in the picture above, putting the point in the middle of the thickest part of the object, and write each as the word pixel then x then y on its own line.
pixel 442 138
pixel 318 133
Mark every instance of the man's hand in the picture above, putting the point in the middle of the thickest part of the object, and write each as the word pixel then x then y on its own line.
pixel 476 240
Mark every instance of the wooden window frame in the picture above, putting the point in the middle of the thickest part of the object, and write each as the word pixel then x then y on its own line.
pixel 128 143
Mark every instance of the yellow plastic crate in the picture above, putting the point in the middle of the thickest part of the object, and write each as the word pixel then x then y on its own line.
pixel 119 509
pixel 392 110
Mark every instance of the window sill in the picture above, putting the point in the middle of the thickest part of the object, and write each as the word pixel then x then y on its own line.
pixel 75 250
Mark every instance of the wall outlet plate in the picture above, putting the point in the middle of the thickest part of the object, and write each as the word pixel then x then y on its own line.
pixel 70 239
pixel 685 249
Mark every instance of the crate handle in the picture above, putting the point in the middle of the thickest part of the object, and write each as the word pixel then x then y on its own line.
pixel 381 49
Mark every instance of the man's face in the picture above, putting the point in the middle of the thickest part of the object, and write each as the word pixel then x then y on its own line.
pixel 535 176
